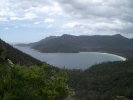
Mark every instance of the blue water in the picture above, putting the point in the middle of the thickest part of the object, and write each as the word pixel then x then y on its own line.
pixel 82 60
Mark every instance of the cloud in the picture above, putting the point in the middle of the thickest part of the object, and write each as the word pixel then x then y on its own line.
pixel 71 25
pixel 49 20
pixel 95 8
pixel 114 15
pixel 78 17
pixel 27 9
pixel 26 16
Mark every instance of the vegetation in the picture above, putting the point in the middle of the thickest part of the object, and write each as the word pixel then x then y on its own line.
pixel 18 57
pixel 43 82
pixel 120 98
pixel 107 81
pixel 32 83
pixel 104 81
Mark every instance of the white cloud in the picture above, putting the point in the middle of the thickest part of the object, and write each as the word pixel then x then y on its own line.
pixel 36 23
pixel 27 16
pixel 49 20
pixel 28 9
pixel 30 16
pixel 75 16
pixel 71 25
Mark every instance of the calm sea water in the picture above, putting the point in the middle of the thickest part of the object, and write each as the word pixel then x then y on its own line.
pixel 80 60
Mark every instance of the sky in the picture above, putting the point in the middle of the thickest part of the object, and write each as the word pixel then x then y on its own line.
pixel 24 21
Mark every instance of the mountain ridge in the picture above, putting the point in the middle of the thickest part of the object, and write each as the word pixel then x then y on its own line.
pixel 71 43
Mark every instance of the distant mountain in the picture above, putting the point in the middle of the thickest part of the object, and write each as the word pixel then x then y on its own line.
pixel 70 43
pixel 42 41
pixel 37 43
pixel 17 56
pixel 22 44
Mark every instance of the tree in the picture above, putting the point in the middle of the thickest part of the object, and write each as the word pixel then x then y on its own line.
pixel 121 98
pixel 32 83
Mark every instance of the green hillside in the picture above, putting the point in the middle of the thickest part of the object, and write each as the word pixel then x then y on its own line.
pixel 104 81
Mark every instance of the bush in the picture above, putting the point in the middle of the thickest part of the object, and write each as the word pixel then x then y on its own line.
pixel 121 98
pixel 32 83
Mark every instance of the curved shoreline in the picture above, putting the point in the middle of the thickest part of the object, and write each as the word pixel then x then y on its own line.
pixel 123 58
pixel 104 52
pixel 107 53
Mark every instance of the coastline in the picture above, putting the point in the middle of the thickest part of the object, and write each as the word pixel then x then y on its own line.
pixel 123 58
pixel 103 52
pixel 118 54
pixel 109 53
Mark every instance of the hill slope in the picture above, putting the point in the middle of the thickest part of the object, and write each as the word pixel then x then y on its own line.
pixel 104 81
pixel 17 56
pixel 69 43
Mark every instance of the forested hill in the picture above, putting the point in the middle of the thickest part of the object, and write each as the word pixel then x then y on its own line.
pixel 16 56
pixel 70 43
pixel 106 81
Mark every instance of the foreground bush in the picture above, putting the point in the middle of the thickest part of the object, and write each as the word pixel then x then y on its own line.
pixel 32 83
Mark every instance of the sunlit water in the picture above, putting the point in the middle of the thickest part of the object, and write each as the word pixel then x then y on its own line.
pixel 80 60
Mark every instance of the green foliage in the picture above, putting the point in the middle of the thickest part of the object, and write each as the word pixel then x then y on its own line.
pixel 32 83
pixel 104 81
pixel 121 98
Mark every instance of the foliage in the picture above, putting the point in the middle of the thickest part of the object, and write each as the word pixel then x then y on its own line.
pixel 103 81
pixel 18 57
pixel 32 83
pixel 121 98
pixel 106 81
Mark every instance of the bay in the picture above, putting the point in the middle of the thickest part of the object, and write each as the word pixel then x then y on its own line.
pixel 82 60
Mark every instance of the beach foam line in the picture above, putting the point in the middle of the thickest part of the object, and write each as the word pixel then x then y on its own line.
pixel 123 58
